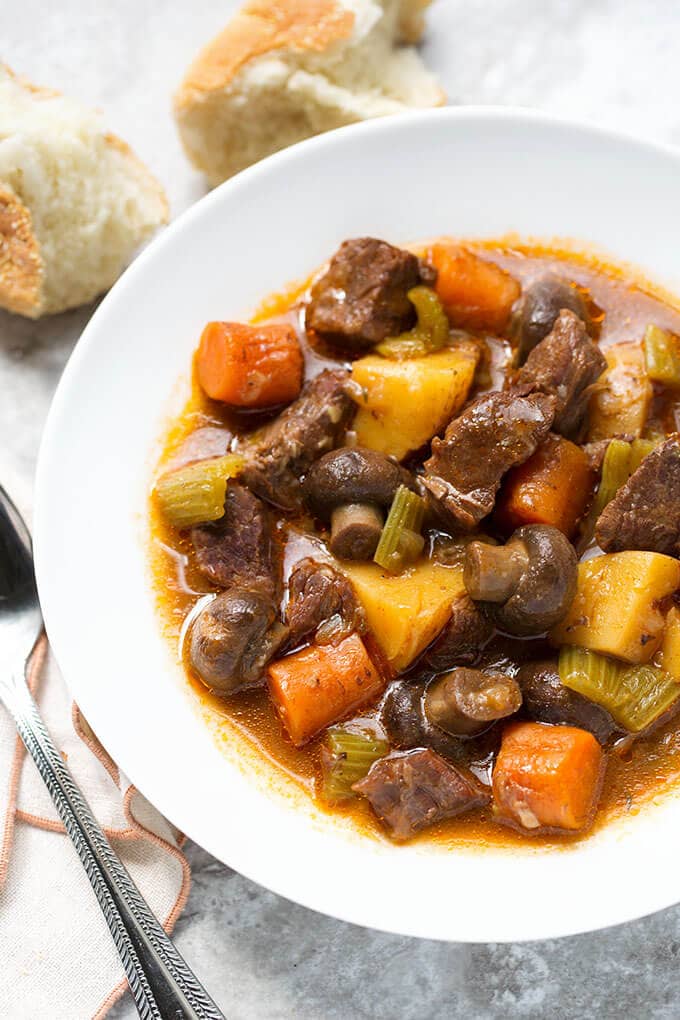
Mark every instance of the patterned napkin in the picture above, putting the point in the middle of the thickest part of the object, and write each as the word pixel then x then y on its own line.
pixel 58 957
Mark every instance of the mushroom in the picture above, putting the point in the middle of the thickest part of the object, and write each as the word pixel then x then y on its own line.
pixel 350 488
pixel 464 702
pixel 528 584
pixel 233 638
pixel 542 302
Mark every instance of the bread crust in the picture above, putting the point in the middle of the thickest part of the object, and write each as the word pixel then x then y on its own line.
pixel 258 28
pixel 21 265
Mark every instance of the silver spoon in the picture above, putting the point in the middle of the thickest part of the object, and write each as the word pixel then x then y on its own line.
pixel 162 984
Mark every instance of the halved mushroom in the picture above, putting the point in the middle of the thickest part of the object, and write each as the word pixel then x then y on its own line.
pixel 528 584
pixel 350 488
pixel 542 302
pixel 234 637
pixel 464 702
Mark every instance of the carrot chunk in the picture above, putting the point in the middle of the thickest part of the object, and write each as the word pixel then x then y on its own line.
pixel 321 684
pixel 475 293
pixel 552 487
pixel 547 777
pixel 250 366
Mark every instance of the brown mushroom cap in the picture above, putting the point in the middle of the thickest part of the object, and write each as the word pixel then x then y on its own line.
pixel 541 304
pixel 352 474
pixel 464 702
pixel 233 637
pixel 527 585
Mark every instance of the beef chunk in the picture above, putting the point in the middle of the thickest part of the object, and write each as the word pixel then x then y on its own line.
pixel 547 700
pixel 565 365
pixel 496 432
pixel 283 451
pixel 321 597
pixel 645 512
pixel 234 637
pixel 460 642
pixel 412 790
pixel 361 298
pixel 239 548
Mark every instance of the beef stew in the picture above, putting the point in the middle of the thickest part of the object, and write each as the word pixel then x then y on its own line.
pixel 389 577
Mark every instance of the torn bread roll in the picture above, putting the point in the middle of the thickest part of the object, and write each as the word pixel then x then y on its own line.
pixel 75 202
pixel 280 72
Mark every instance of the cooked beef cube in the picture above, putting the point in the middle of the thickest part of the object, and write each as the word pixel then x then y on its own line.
pixel 496 432
pixel 542 301
pixel 463 637
pixel 321 597
pixel 234 637
pixel 565 365
pixel 239 548
pixel 412 790
pixel 283 451
pixel 645 512
pixel 362 296
pixel 546 699
pixel 403 718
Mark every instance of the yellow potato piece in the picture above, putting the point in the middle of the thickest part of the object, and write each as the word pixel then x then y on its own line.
pixel 669 656
pixel 621 406
pixel 405 403
pixel 616 609
pixel 405 612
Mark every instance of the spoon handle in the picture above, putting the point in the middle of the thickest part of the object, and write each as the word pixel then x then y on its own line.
pixel 162 984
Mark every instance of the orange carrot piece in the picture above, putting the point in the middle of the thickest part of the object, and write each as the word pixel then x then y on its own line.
pixel 553 487
pixel 250 366
pixel 547 777
pixel 475 293
pixel 321 684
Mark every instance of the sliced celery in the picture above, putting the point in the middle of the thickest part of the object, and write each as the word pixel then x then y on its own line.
pixel 615 471
pixel 401 542
pixel 639 449
pixel 195 493
pixel 645 694
pixel 662 356
pixel 633 695
pixel 430 333
pixel 346 758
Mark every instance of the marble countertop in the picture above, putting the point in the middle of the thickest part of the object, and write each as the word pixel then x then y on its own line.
pixel 613 62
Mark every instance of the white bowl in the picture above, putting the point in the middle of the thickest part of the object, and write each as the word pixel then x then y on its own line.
pixel 469 172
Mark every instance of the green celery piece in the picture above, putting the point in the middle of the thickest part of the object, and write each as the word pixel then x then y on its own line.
pixel 400 541
pixel 662 356
pixel 635 696
pixel 615 471
pixel 641 448
pixel 430 333
pixel 195 494
pixel 346 758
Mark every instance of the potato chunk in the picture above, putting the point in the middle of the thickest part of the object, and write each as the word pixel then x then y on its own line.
pixel 404 403
pixel 621 403
pixel 405 612
pixel 616 609
pixel 669 656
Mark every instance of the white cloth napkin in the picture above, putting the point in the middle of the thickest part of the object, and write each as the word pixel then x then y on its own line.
pixel 58 960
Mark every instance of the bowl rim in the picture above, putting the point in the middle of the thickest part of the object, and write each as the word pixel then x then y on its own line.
pixel 42 529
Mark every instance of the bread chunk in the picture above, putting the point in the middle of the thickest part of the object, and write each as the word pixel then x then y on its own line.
pixel 75 202
pixel 281 72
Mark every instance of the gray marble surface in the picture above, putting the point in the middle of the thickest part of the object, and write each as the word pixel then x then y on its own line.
pixel 610 61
